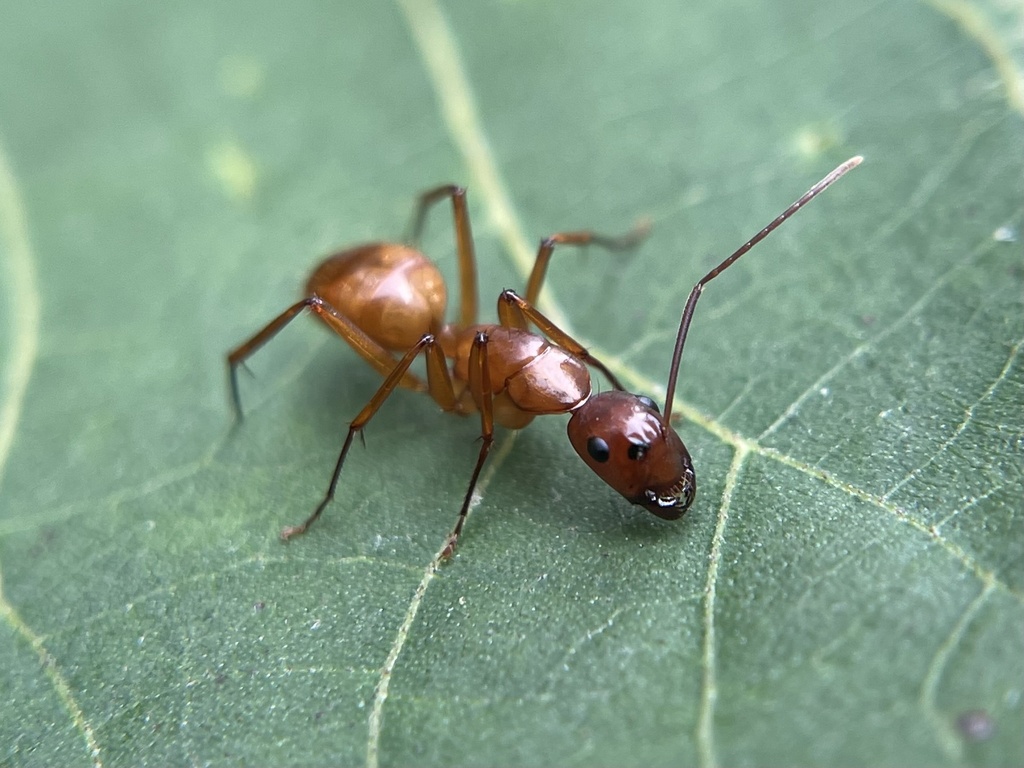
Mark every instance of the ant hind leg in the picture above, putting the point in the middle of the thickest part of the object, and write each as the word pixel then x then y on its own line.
pixel 382 360
pixel 440 386
pixel 468 303
pixel 625 242
pixel 244 351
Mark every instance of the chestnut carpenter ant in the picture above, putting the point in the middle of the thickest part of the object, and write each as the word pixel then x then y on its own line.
pixel 385 298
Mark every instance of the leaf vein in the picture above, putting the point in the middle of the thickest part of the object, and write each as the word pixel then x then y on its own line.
pixel 934 180
pixel 384 681
pixel 37 519
pixel 968 416
pixel 929 686
pixel 210 576
pixel 563 663
pixel 826 574
pixel 970 505
pixel 793 408
pixel 52 671
pixel 977 27
pixel 709 685
pixel 25 306
pixel 25 321
pixel 985 575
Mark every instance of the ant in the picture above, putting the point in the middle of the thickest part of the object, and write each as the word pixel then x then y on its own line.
pixel 385 297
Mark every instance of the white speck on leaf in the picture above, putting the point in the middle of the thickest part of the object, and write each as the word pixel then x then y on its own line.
pixel 1005 234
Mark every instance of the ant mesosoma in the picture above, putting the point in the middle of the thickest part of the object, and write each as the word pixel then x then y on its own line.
pixel 385 298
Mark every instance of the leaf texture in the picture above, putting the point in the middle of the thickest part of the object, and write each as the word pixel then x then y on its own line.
pixel 847 588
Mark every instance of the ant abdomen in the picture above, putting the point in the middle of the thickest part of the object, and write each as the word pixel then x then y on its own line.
pixel 392 292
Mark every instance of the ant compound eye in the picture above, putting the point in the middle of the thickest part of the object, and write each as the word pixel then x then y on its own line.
pixel 598 449
pixel 638 450
pixel 644 400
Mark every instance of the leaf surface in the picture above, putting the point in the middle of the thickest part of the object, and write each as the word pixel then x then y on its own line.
pixel 848 587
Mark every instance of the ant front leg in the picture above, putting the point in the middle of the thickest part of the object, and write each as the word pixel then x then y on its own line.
pixel 480 386
pixel 628 241
pixel 440 386
pixel 516 312
pixel 463 241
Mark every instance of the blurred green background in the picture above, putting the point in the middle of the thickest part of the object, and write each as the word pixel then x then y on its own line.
pixel 847 588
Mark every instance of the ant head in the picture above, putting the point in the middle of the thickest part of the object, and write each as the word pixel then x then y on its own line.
pixel 625 440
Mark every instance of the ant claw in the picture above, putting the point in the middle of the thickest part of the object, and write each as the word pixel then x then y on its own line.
pixel 292 530
pixel 449 548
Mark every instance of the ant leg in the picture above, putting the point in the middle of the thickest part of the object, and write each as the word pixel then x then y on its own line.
pixel 381 360
pixel 244 351
pixel 479 384
pixel 463 241
pixel 630 240
pixel 370 350
pixel 516 312
pixel 440 389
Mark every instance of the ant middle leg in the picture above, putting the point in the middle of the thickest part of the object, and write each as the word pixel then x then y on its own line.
pixel 516 312
pixel 480 386
pixel 628 241
pixel 468 302
pixel 440 386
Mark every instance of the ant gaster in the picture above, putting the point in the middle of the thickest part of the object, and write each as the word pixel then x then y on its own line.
pixel 388 298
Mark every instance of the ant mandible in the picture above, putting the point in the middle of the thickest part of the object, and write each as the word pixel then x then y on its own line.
pixel 385 298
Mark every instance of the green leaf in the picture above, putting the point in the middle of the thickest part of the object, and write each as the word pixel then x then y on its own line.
pixel 848 588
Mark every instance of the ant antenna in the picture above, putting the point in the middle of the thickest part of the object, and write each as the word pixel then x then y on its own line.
pixel 691 302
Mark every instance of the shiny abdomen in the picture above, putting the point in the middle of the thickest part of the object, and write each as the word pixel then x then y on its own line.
pixel 392 292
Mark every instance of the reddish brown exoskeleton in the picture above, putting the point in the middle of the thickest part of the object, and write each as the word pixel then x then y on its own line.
pixel 388 298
